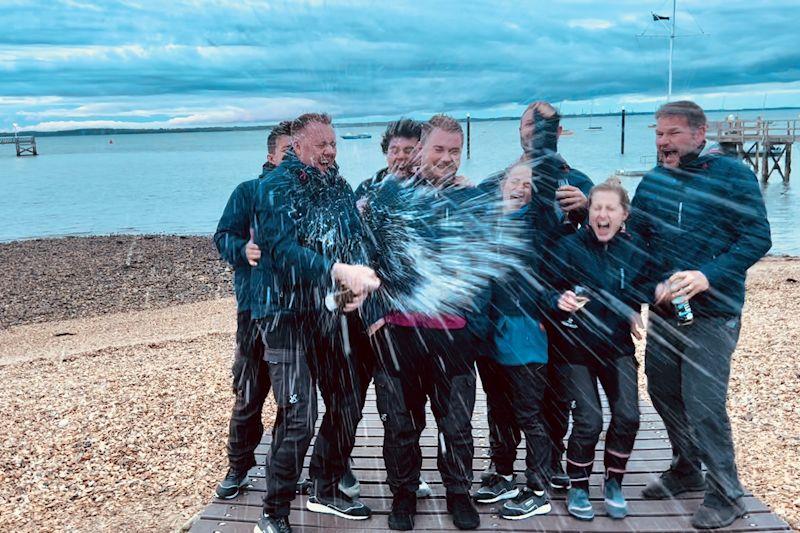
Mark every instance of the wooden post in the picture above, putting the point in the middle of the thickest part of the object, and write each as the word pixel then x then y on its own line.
pixel 788 163
pixel 468 137
pixel 765 161
pixel 622 134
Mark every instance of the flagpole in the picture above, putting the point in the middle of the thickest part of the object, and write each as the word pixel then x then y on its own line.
pixel 671 48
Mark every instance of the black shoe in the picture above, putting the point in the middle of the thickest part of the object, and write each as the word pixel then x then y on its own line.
pixel 714 514
pixel 463 511
pixel 495 488
pixel 671 484
pixel 339 504
pixel 404 507
pixel 305 486
pixel 559 480
pixel 527 504
pixel 269 524
pixel 229 487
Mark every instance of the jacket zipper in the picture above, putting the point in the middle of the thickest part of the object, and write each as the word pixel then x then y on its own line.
pixel 680 215
pixel 622 278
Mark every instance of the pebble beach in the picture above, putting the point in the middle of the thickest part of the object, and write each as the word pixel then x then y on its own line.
pixel 115 360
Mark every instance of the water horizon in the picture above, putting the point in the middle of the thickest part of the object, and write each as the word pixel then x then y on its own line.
pixel 178 184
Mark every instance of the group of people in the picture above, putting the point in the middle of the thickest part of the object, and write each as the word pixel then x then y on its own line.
pixel 315 289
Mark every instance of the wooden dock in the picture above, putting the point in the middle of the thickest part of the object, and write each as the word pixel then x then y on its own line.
pixel 651 455
pixel 24 144
pixel 765 145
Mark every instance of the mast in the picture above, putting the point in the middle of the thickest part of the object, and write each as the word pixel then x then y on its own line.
pixel 671 49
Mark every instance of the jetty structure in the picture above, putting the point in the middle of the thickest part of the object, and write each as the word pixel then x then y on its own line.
pixel 25 144
pixel 764 145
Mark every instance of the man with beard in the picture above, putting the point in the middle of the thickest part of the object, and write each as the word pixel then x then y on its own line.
pixel 422 356
pixel 311 241
pixel 558 208
pixel 398 144
pixel 250 374
pixel 703 217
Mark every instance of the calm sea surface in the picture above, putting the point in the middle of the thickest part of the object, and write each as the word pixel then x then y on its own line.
pixel 179 183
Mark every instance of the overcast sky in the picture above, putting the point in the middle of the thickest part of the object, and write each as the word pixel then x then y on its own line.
pixel 185 63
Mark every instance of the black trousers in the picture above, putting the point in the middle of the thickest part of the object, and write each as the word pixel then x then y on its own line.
pixel 618 376
pixel 688 369
pixel 415 364
pixel 251 386
pixel 514 406
pixel 300 358
pixel 557 401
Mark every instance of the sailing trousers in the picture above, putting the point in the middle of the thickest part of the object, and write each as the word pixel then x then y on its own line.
pixel 414 365
pixel 688 368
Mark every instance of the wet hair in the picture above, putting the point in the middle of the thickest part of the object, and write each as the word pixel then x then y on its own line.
pixel 511 167
pixel 405 127
pixel 301 122
pixel 613 184
pixel 693 113
pixel 282 129
pixel 443 122
pixel 539 103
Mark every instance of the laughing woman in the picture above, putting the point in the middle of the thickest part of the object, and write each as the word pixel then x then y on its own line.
pixel 602 281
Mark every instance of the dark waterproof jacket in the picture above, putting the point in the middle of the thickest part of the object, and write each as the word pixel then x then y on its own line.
pixel 519 304
pixel 707 215
pixel 305 221
pixel 368 184
pixel 548 223
pixel 618 276
pixel 233 232
pixel 435 215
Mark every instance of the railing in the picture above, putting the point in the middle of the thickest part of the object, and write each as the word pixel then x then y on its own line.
pixel 781 131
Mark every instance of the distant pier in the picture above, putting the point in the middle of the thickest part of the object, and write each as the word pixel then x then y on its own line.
pixel 765 145
pixel 25 144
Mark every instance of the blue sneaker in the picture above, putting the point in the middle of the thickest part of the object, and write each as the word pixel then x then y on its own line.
pixel 616 506
pixel 578 504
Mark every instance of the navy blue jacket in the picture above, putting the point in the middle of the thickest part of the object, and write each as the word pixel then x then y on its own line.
pixel 519 303
pixel 305 221
pixel 233 232
pixel 618 276
pixel 370 183
pixel 707 215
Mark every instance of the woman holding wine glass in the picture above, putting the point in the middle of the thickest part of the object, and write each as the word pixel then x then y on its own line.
pixel 601 279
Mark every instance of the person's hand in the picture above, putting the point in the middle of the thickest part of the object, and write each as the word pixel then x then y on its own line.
pixel 570 198
pixel 688 283
pixel 636 326
pixel 357 278
pixel 354 301
pixel 662 293
pixel 361 205
pixel 252 251
pixel 568 302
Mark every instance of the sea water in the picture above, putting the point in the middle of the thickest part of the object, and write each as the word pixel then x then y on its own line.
pixel 180 182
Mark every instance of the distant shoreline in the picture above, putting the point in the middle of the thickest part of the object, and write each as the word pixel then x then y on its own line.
pixel 265 127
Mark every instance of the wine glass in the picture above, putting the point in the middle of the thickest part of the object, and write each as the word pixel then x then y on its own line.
pixel 581 295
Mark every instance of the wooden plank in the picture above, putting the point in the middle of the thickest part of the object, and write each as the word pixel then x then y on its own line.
pixel 367 464
pixel 638 507
pixel 432 476
pixel 441 521
pixel 652 454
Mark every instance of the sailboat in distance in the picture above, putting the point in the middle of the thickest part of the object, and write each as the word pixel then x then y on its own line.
pixel 591 114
